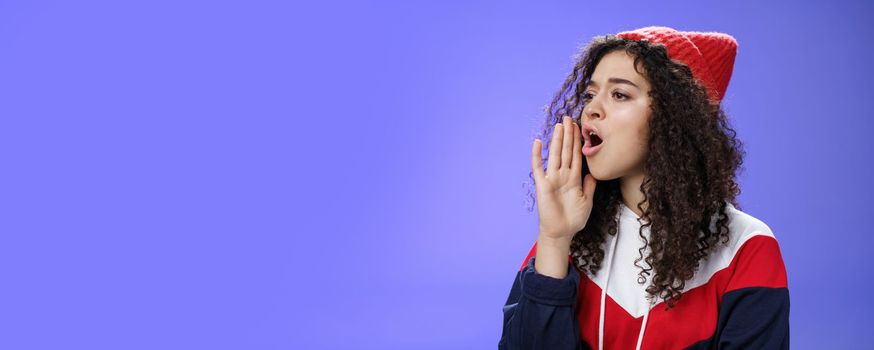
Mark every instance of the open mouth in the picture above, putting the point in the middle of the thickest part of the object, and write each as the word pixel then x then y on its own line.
pixel 595 140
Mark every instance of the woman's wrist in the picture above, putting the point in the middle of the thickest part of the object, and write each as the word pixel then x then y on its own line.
pixel 552 256
pixel 550 241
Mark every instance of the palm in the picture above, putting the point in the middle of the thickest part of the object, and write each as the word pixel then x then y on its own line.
pixel 563 204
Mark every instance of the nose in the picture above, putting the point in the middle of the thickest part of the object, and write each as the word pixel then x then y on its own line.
pixel 592 110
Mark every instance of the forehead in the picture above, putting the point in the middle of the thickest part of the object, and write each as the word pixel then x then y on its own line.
pixel 618 64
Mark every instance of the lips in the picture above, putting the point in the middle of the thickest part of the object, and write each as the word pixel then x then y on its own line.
pixel 593 138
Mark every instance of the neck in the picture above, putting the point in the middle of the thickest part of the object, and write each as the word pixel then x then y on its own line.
pixel 631 194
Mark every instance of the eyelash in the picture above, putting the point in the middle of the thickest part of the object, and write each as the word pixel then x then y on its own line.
pixel 587 96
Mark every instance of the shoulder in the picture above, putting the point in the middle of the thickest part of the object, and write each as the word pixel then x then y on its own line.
pixel 751 257
pixel 743 226
pixel 756 260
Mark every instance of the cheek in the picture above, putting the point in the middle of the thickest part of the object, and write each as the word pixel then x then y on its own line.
pixel 642 135
pixel 633 145
pixel 642 138
pixel 635 137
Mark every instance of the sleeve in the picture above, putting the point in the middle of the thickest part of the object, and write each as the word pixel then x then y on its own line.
pixel 754 311
pixel 540 311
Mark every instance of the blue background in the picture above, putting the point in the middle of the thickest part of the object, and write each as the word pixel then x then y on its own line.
pixel 283 175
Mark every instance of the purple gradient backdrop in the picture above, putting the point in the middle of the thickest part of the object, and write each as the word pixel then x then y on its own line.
pixel 269 175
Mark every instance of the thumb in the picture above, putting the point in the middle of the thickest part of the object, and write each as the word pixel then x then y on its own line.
pixel 589 184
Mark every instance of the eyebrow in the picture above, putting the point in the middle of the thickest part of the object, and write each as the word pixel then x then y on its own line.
pixel 615 81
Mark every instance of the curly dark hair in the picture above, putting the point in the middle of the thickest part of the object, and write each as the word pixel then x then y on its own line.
pixel 690 169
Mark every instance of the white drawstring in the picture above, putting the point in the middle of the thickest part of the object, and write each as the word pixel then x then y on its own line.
pixel 643 326
pixel 604 299
pixel 604 294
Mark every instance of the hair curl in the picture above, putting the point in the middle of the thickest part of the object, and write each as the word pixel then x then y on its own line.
pixel 690 169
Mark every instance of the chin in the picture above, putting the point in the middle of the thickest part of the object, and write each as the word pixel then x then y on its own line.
pixel 600 175
pixel 597 174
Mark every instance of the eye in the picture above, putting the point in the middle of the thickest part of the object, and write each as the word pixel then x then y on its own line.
pixel 621 95
pixel 587 96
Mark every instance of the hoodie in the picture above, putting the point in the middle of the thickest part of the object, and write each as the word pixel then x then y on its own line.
pixel 737 299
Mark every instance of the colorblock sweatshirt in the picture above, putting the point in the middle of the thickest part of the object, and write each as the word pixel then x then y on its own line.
pixel 737 299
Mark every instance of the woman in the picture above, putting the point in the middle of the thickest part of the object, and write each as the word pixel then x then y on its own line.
pixel 641 241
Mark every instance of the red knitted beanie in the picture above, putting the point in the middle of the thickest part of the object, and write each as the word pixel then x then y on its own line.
pixel 710 55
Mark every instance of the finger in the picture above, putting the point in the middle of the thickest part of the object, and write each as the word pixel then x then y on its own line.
pixel 554 161
pixel 536 161
pixel 589 184
pixel 577 159
pixel 567 147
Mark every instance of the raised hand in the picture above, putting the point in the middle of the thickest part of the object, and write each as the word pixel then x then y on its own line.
pixel 564 199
